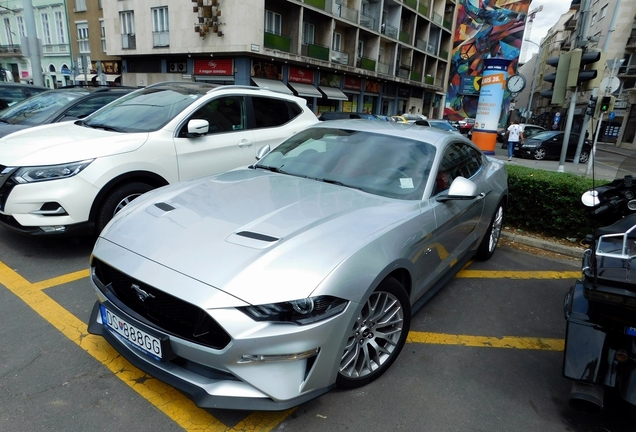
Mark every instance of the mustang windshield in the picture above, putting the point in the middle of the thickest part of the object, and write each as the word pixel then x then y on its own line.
pixel 380 164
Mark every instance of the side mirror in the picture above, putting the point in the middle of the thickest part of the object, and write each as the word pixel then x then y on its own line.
pixel 460 189
pixel 262 152
pixel 198 127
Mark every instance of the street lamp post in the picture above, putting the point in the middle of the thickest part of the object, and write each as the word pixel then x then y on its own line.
pixel 534 81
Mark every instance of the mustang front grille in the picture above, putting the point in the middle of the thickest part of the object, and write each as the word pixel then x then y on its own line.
pixel 162 310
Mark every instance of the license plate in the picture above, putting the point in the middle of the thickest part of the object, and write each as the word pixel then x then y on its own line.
pixel 630 331
pixel 132 335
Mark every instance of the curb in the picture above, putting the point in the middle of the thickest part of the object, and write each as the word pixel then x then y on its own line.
pixel 570 251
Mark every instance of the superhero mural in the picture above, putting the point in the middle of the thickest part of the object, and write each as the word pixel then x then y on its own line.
pixel 484 29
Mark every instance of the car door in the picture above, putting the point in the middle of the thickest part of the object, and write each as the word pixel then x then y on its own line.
pixel 228 143
pixel 457 220
pixel 554 145
pixel 572 144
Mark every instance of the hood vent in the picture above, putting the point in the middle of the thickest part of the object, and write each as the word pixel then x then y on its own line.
pixel 257 236
pixel 164 206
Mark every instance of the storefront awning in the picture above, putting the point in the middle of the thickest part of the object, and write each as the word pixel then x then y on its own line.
pixel 272 85
pixel 112 78
pixel 306 90
pixel 87 77
pixel 333 93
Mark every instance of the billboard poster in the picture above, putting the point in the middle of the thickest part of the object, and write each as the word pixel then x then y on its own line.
pixel 484 29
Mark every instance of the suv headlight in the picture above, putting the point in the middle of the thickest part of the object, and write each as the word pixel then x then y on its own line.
pixel 49 172
pixel 303 311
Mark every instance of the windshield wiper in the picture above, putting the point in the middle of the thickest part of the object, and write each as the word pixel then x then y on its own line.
pixel 339 183
pixel 102 126
pixel 271 168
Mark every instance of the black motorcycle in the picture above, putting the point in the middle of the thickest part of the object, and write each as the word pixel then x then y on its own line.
pixel 600 309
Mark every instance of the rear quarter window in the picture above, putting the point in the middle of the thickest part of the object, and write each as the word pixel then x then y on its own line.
pixel 270 112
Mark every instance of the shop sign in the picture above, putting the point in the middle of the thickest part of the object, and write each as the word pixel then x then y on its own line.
pixel 267 69
pixel 298 75
pixel 214 67
pixel 372 87
pixel 351 83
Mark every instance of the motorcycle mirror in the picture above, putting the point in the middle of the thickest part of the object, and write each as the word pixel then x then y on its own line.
pixel 590 198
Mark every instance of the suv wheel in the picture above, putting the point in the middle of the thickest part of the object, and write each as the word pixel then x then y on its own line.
pixel 117 200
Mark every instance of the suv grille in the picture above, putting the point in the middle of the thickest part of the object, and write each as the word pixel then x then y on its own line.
pixel 6 185
pixel 162 310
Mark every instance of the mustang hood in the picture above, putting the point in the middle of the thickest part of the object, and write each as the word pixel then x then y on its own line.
pixel 256 235
pixel 64 142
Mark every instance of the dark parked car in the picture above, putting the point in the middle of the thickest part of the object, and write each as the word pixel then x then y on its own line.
pixel 55 106
pixel 11 93
pixel 340 115
pixel 547 145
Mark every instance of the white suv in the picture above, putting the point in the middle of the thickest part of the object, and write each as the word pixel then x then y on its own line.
pixel 71 178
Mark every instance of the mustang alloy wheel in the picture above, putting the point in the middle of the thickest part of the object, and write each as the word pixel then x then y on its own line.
pixel 491 238
pixel 377 336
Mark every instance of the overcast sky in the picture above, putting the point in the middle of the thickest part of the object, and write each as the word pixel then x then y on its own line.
pixel 552 11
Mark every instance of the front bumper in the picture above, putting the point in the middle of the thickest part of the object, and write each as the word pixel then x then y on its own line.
pixel 217 378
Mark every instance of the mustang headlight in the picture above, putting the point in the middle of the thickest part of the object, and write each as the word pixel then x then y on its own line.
pixel 49 172
pixel 303 311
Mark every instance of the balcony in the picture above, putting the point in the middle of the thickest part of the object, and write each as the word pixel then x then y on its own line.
pixel 627 71
pixel 631 43
pixel 447 24
pixel 570 24
pixel 369 22
pixel 320 4
pixel 437 19
pixel 429 79
pixel 424 7
pixel 277 42
pixel 384 68
pixel 339 57
pixel 404 74
pixel 411 3
pixel 128 41
pixel 345 12
pixel 160 39
pixel 315 51
pixel 58 48
pixel 416 76
pixel 389 30
pixel 10 50
pixel 443 54
pixel 366 64
pixel 405 37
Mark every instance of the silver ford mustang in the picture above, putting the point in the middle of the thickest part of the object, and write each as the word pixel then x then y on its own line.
pixel 266 286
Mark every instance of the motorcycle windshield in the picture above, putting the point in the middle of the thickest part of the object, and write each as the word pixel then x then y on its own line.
pixel 616 256
pixel 627 167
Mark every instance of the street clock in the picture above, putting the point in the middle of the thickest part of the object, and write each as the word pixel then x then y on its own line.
pixel 516 83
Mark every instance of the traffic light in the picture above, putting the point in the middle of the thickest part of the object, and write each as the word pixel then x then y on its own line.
pixel 559 79
pixel 586 68
pixel 607 104
pixel 591 106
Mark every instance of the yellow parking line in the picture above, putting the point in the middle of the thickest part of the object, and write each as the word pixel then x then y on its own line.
pixel 527 343
pixel 167 399
pixel 507 274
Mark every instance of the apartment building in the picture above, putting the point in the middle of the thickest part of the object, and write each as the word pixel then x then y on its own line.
pixel 378 56
pixel 51 28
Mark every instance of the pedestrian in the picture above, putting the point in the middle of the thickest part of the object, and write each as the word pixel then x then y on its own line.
pixel 515 136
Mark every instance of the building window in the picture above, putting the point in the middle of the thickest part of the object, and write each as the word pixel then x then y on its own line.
pixel 309 32
pixel 603 12
pixel 102 34
pixel 273 23
pixel 80 5
pixel 593 20
pixel 337 42
pixel 160 27
pixel 46 28
pixel 82 38
pixel 360 49
pixel 21 28
pixel 7 28
pixel 59 25
pixel 127 22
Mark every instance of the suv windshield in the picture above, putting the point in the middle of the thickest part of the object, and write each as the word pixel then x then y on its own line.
pixel 36 109
pixel 146 110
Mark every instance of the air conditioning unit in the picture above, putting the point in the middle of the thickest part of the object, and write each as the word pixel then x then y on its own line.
pixel 177 67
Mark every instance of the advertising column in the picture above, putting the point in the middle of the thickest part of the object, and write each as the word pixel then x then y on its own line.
pixel 491 97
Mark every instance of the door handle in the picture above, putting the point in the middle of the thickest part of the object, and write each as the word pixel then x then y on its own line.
pixel 245 143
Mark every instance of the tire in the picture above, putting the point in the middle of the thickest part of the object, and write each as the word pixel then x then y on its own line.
pixel 377 336
pixel 540 153
pixel 118 199
pixel 584 156
pixel 489 243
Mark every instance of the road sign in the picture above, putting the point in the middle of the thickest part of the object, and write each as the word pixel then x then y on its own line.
pixel 612 115
pixel 610 84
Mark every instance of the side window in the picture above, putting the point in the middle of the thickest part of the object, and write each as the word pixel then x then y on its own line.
pixel 269 112
pixel 459 159
pixel 224 114
pixel 89 106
